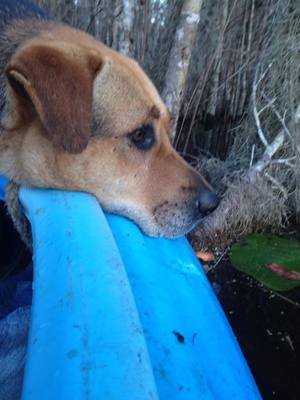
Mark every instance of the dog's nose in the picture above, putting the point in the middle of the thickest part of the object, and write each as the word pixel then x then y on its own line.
pixel 207 201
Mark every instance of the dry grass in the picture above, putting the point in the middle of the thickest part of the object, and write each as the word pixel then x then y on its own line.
pixel 245 208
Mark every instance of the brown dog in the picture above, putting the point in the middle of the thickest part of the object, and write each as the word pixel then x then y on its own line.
pixel 80 116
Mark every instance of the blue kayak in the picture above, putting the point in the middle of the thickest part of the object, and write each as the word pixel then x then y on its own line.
pixel 119 315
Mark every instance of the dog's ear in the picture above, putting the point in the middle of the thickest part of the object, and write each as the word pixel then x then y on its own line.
pixel 55 82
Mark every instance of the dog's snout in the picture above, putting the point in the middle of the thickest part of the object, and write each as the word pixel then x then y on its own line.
pixel 207 201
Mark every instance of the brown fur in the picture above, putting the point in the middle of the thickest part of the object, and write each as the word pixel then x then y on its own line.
pixel 70 104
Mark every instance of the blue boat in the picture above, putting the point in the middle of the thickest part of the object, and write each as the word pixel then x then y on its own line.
pixel 119 315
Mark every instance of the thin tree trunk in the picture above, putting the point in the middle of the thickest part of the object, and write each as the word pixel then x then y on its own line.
pixel 67 12
pixel 126 27
pixel 179 60
pixel 96 16
pixel 212 105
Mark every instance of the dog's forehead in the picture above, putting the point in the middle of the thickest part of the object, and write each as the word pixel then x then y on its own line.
pixel 123 97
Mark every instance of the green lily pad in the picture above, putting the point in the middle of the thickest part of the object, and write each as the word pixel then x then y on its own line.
pixel 255 252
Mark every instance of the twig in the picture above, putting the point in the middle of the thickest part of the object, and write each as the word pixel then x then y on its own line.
pixel 218 261
pixel 285 161
pixel 278 185
pixel 252 155
pixel 295 303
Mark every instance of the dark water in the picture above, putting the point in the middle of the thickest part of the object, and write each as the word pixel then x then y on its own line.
pixel 268 329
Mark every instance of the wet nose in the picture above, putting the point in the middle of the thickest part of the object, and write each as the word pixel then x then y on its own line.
pixel 207 202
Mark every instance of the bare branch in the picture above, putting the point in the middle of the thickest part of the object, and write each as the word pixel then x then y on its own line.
pixel 257 113
pixel 281 119
pixel 266 159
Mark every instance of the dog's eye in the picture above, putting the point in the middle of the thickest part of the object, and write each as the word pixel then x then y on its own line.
pixel 143 138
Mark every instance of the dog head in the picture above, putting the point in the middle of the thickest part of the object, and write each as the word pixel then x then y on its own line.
pixel 80 116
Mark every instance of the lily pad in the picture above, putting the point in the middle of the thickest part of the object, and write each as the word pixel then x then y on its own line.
pixel 256 253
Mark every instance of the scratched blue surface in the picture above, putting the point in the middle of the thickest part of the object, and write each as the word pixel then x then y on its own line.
pixel 118 315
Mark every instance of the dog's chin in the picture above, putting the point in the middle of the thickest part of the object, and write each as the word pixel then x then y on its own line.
pixel 171 226
pixel 172 230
